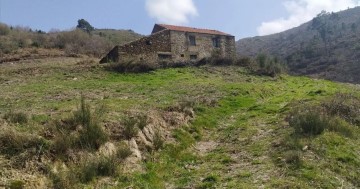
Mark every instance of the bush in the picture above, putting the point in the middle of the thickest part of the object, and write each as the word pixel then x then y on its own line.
pixel 4 29
pixel 346 106
pixel 16 117
pixel 339 125
pixel 13 143
pixel 16 184
pixel 63 141
pixel 313 120
pixel 130 127
pixel 100 166
pixel 266 65
pixel 92 135
pixel 308 122
pixel 158 141
pixel 106 166
pixel 63 179
pixel 123 152
pixel 293 158
pixel 243 61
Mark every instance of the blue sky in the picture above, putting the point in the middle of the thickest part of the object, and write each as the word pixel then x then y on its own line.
pixel 242 18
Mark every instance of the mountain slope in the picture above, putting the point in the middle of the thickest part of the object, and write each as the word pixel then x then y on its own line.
pixel 326 47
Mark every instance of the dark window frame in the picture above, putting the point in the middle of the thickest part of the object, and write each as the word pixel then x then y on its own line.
pixel 162 56
pixel 193 57
pixel 192 40
pixel 216 42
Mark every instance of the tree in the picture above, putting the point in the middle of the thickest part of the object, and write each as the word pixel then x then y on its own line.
pixel 85 26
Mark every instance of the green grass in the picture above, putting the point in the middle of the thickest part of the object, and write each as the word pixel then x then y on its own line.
pixel 243 114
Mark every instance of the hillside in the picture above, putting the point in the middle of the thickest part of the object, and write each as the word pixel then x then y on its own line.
pixel 326 47
pixel 69 123
pixel 18 43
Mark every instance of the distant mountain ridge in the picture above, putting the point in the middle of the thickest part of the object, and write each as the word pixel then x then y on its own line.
pixel 326 47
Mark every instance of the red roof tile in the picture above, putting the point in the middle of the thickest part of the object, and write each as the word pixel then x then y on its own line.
pixel 192 30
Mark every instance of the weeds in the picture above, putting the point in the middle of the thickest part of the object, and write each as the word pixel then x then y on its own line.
pixel 346 106
pixel 266 65
pixel 13 143
pixel 16 117
pixel 130 127
pixel 98 166
pixel 309 123
pixel 123 152
pixel 89 136
pixel 158 141
pixel 63 179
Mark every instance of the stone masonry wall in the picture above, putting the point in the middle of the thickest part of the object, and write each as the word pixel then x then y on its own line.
pixel 146 48
pixel 181 48
pixel 172 44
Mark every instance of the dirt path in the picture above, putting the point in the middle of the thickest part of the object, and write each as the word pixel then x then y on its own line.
pixel 238 152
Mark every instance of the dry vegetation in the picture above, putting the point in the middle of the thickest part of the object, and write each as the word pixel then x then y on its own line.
pixel 17 43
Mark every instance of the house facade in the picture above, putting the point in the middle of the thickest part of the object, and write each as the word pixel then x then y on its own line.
pixel 176 44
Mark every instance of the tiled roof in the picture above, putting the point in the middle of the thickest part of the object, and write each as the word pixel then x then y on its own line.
pixel 192 30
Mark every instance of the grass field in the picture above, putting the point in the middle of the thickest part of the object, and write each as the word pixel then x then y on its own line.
pixel 238 138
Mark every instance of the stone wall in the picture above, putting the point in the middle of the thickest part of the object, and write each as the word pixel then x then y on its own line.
pixel 146 48
pixel 182 50
pixel 172 46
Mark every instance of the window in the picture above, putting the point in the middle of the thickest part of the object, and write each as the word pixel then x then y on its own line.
pixel 216 42
pixel 164 56
pixel 192 40
pixel 193 57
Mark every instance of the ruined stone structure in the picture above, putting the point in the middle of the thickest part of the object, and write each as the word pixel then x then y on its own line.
pixel 176 44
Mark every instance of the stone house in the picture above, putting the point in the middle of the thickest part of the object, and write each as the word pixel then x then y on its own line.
pixel 176 44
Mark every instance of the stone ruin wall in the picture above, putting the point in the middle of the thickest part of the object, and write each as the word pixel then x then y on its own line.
pixel 182 50
pixel 146 48
pixel 173 43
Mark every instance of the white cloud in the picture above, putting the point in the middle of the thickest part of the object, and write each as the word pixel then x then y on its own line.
pixel 171 11
pixel 302 11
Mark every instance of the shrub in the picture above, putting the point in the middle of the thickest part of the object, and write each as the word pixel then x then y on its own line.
pixel 100 166
pixel 13 143
pixel 340 126
pixel 293 158
pixel 142 121
pixel 87 171
pixel 92 136
pixel 266 65
pixel 106 166
pixel 308 122
pixel 313 120
pixel 346 106
pixel 243 61
pixel 123 152
pixel 16 117
pixel 130 127
pixel 158 141
pixel 63 141
pixel 4 29
pixel 63 179
pixel 16 184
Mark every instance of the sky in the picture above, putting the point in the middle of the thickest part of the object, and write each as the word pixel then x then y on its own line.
pixel 241 18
